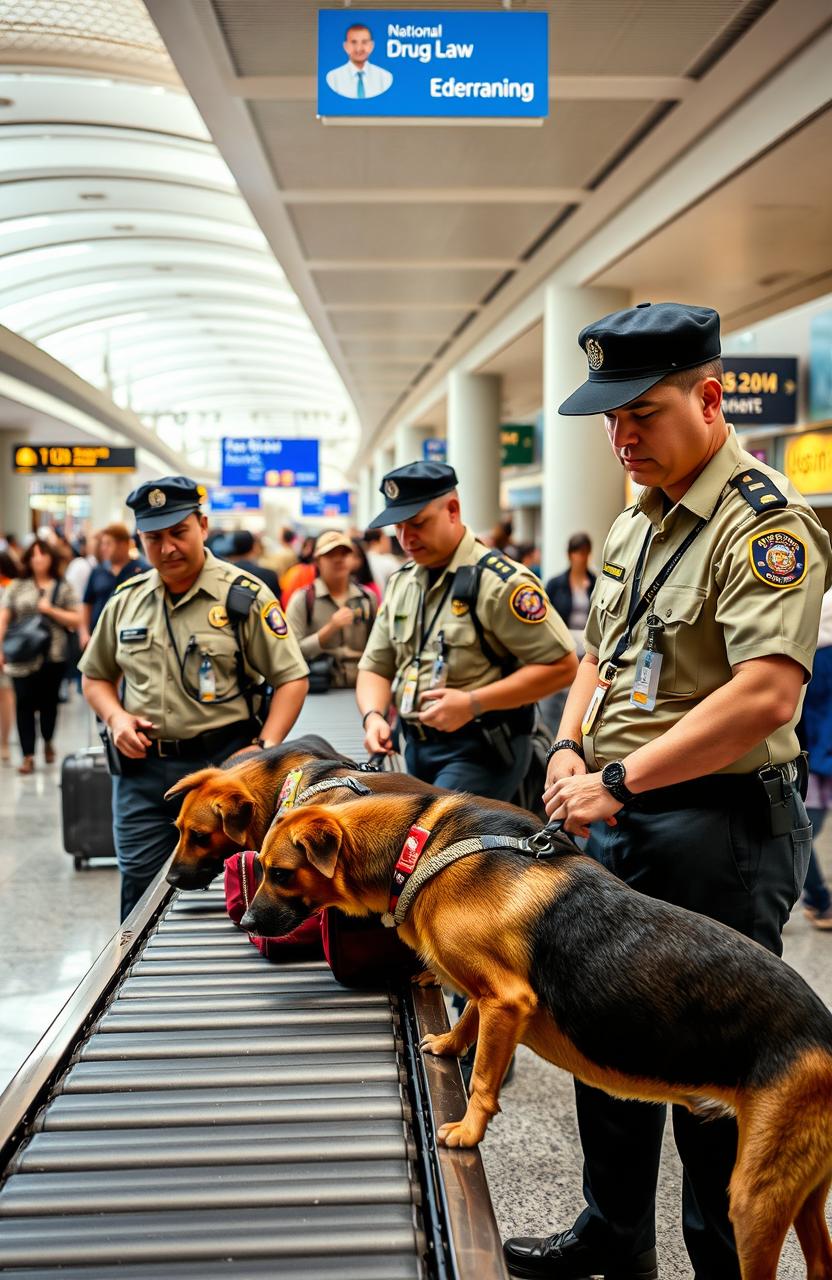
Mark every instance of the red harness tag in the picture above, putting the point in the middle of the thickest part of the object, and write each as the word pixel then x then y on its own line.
pixel 412 849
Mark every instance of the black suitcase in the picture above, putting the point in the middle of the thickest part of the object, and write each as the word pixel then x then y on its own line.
pixel 87 806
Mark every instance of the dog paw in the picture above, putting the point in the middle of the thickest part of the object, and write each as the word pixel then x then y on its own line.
pixel 440 1046
pixel 427 978
pixel 460 1133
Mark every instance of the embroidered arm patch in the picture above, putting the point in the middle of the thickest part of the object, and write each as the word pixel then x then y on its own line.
pixel 778 558
pixel 528 603
pixel 274 621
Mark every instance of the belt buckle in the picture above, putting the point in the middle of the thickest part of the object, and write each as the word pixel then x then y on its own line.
pixel 160 750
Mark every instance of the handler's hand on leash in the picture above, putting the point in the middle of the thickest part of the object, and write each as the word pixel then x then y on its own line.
pixel 580 799
pixel 128 735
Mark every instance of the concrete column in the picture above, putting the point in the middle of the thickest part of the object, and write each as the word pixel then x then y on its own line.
pixel 367 498
pixel 583 485
pixel 409 440
pixel 15 514
pixel 474 445
pixel 383 461
pixel 522 524
pixel 107 499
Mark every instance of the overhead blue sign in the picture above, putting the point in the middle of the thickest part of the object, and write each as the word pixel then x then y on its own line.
pixel 232 500
pixel 266 463
pixel 315 503
pixel 421 63
pixel 435 450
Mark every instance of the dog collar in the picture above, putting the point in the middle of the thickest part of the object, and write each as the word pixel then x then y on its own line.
pixel 412 850
pixel 288 792
pixel 289 798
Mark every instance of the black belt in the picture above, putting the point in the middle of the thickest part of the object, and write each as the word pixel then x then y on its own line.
pixel 517 721
pixel 204 746
pixel 713 791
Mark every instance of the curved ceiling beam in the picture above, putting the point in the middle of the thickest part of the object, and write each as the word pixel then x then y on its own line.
pixel 256 319
pixel 121 195
pixel 40 231
pixel 31 156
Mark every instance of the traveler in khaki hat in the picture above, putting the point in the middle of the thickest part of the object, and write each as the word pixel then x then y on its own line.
pixel 332 617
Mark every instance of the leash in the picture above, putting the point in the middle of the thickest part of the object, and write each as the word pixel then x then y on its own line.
pixel 411 873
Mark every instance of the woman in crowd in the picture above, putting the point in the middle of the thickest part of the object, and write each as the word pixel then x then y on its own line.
pixel 40 589
pixel 8 572
pixel 332 617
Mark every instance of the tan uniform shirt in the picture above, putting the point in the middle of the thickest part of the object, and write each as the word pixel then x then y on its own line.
pixel 348 643
pixel 512 606
pixel 132 639
pixel 738 593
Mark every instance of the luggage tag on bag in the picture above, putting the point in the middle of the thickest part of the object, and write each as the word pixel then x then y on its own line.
pixel 410 685
pixel 439 671
pixel 648 667
pixel 596 702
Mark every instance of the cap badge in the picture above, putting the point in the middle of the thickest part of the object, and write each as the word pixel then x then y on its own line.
pixel 156 498
pixel 594 353
pixel 391 490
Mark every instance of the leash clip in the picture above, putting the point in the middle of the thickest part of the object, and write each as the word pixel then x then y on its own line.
pixel 552 840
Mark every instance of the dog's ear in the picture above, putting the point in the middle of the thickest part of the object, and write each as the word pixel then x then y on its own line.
pixel 234 806
pixel 192 780
pixel 319 837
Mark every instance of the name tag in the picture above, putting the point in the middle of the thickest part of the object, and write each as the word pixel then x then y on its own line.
pixel 132 635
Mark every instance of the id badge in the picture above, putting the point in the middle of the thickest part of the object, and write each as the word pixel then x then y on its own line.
pixel 646 682
pixel 289 791
pixel 596 702
pixel 439 671
pixel 410 686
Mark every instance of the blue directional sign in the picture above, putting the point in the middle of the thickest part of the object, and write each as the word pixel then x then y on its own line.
pixel 234 500
pixel 266 463
pixel 315 503
pixel 435 450
pixel 421 63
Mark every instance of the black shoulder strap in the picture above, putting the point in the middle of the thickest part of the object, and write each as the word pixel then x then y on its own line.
pixel 759 491
pixel 241 596
pixel 370 598
pixel 130 582
pixel 466 590
pixel 309 593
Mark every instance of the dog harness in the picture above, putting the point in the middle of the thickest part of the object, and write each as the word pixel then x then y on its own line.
pixel 288 797
pixel 412 873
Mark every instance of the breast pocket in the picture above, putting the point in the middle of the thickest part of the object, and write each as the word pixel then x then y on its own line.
pixel 135 657
pixel 609 598
pixel 680 609
pixel 221 649
pixel 402 627
pixel 462 651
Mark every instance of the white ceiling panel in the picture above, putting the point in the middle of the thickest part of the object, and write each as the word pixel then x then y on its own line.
pixel 417 231
pixel 573 145
pixel 404 287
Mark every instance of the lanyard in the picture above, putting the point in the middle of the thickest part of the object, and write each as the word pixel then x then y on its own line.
pixel 424 635
pixel 638 608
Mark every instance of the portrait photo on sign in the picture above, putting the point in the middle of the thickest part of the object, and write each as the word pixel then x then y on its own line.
pixel 358 77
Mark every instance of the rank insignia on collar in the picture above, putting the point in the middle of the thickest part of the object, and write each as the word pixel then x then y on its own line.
pixel 778 559
pixel 217 615
pixel 274 621
pixel 528 603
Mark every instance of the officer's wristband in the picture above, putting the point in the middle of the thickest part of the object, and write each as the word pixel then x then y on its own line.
pixel 564 744
pixel 367 715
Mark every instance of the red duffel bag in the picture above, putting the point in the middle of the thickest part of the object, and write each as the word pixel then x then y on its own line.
pixel 303 943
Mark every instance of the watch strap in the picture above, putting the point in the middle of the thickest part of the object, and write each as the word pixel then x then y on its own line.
pixel 564 744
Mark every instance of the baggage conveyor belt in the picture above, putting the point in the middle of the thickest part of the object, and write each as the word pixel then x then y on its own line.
pixel 196 1111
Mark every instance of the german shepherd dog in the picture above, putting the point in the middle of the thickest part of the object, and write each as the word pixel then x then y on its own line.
pixel 229 807
pixel 631 995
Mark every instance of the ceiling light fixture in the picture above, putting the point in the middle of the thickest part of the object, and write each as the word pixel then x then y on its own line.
pixel 91 195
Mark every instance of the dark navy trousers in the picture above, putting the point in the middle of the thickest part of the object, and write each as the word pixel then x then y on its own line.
pixel 465 763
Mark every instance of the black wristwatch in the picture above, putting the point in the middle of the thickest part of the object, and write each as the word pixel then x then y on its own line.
pixel 612 776
pixel 564 744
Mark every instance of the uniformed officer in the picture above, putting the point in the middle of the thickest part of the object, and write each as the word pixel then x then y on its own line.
pixel 465 642
pixel 677 744
pixel 194 642
pixel 332 617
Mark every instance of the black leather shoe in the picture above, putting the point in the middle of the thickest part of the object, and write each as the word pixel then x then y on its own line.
pixel 566 1257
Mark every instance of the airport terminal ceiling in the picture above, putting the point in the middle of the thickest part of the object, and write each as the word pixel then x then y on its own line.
pixel 226 262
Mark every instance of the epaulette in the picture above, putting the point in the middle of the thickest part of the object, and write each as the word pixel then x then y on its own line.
pixel 132 582
pixel 503 568
pixel 759 491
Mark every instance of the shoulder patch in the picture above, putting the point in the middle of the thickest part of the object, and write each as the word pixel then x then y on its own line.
pixel 274 621
pixel 503 568
pixel 131 582
pixel 778 559
pixel 528 603
pixel 615 571
pixel 759 491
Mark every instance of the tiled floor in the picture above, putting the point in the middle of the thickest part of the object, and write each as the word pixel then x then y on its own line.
pixel 54 921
